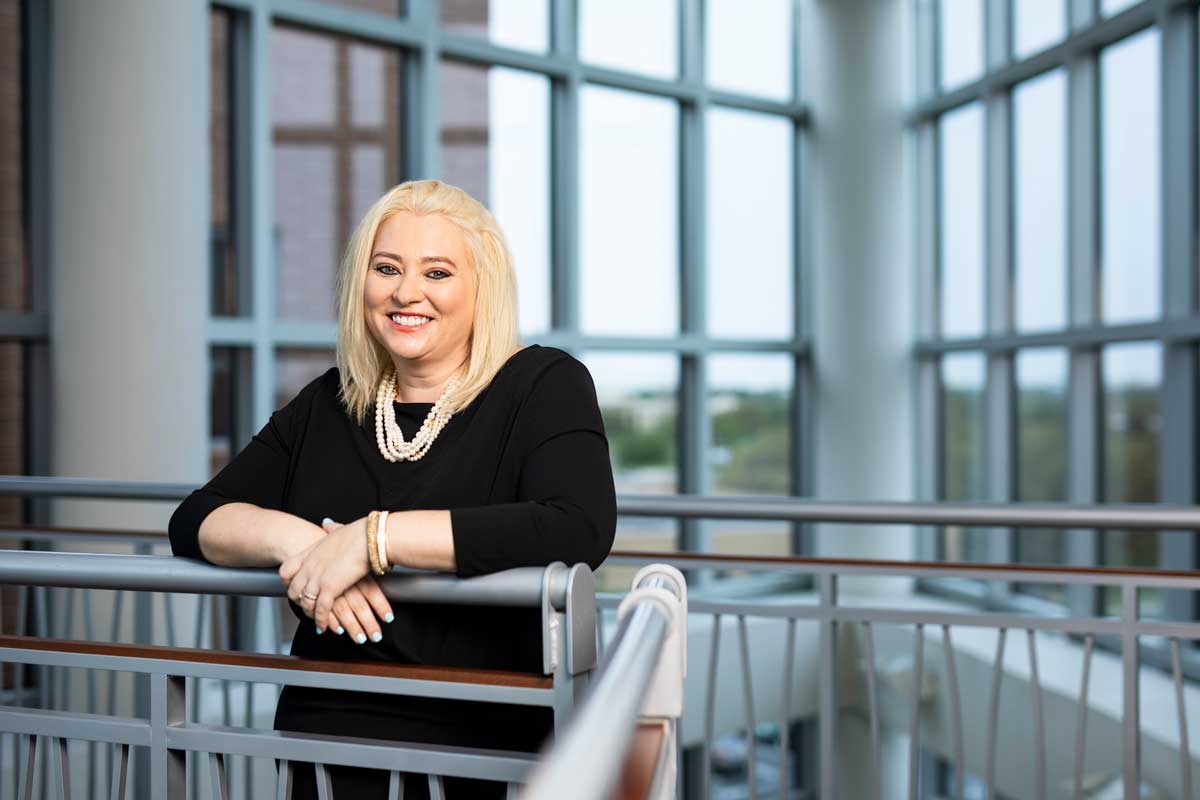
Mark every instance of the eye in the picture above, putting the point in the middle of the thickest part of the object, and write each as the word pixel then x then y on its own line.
pixel 438 274
pixel 386 269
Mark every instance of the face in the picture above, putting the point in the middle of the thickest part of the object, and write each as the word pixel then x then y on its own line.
pixel 419 297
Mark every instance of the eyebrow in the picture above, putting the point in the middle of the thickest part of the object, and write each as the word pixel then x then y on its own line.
pixel 425 260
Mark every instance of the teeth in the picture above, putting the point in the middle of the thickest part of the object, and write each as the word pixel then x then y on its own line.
pixel 399 320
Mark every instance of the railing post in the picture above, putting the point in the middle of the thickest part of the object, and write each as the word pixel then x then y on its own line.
pixel 1131 761
pixel 827 703
pixel 168 706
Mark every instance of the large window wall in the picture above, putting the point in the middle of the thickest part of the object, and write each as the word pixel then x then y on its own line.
pixel 1057 185
pixel 643 159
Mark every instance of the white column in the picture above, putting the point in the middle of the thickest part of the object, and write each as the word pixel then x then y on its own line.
pixel 129 296
pixel 857 72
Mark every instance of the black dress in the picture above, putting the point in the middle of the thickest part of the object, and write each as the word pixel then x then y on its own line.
pixel 525 472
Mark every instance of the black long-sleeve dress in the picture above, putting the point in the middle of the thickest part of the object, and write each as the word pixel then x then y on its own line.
pixel 525 472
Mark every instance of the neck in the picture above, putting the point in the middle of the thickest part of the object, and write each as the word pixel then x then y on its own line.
pixel 423 383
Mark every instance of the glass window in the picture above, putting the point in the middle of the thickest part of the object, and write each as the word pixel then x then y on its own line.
pixel 295 368
pixel 633 35
pixel 628 213
pixel 1130 214
pixel 963 381
pixel 14 266
pixel 961 139
pixel 1037 24
pixel 749 243
pixel 495 134
pixel 228 371
pixel 1042 454
pixel 1108 7
pixel 523 24
pixel 749 398
pixel 748 47
pixel 1039 172
pixel 13 421
pixel 961 28
pixel 1132 376
pixel 225 297
pixel 336 131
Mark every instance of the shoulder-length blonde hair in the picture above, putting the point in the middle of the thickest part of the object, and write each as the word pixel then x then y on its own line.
pixel 362 360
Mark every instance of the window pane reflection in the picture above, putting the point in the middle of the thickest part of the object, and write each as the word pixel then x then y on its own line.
pixel 628 213
pixel 495 144
pixel 1132 376
pixel 1108 7
pixel 638 394
pixel 295 368
pixel 1037 24
pixel 336 131
pixel 1039 109
pixel 634 35
pixel 748 402
pixel 523 24
pixel 963 378
pixel 220 138
pixel 1042 455
pixel 228 383
pixel 961 27
pixel 1129 74
pixel 14 267
pixel 961 138
pixel 748 46
pixel 749 244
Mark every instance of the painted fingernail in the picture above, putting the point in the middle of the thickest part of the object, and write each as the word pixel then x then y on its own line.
pixel 340 630
pixel 362 637
pixel 376 637
pixel 326 521
pixel 388 617
pixel 320 630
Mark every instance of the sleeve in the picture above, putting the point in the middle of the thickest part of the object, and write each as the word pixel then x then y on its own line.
pixel 566 508
pixel 258 475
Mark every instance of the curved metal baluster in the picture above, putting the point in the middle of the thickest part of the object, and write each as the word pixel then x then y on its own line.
pixel 65 631
pixel 1081 720
pixel 1185 751
pixel 710 702
pixel 436 790
pixel 785 723
pixel 62 767
pixel 114 635
pixel 955 710
pixel 120 773
pixel 19 684
pixel 873 711
pixel 90 677
pixel 324 783
pixel 994 714
pixel 1039 730
pixel 283 781
pixel 25 789
pixel 216 777
pixel 396 786
pixel 221 621
pixel 914 737
pixel 41 625
pixel 748 700
pixel 197 689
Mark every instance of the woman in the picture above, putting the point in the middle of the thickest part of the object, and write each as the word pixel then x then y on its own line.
pixel 486 455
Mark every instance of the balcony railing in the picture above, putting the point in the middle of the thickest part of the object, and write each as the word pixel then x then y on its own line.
pixel 832 654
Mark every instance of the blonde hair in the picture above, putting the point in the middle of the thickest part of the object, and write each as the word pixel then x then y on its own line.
pixel 362 361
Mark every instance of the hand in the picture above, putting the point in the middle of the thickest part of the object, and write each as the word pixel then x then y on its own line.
pixel 359 609
pixel 326 569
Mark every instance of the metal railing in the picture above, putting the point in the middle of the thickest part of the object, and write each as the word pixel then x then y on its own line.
pixel 853 679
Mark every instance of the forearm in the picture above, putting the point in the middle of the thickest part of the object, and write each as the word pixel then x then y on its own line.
pixel 421 540
pixel 244 535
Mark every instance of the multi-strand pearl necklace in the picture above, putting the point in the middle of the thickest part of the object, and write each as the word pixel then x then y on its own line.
pixel 388 435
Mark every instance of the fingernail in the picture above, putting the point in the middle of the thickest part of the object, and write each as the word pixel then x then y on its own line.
pixel 376 637
pixel 319 630
pixel 362 637
pixel 388 617
pixel 326 521
pixel 340 630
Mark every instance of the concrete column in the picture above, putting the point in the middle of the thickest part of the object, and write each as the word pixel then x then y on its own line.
pixel 858 75
pixel 129 294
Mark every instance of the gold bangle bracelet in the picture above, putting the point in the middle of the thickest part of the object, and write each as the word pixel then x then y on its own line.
pixel 372 552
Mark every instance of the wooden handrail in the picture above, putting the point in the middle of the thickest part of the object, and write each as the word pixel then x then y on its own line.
pixel 641 761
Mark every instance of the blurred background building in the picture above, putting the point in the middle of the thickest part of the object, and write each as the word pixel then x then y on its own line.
pixel 862 249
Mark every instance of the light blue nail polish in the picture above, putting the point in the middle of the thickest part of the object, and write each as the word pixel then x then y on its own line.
pixel 362 637
pixel 319 630
pixel 340 630
pixel 376 637
pixel 326 521
pixel 388 617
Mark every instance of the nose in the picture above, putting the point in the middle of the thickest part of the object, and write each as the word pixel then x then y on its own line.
pixel 408 289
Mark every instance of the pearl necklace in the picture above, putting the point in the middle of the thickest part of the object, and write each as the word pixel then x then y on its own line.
pixel 388 435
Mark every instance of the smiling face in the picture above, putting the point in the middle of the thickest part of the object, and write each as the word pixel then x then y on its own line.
pixel 419 295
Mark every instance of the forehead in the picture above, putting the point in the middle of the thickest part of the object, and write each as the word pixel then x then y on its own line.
pixel 419 236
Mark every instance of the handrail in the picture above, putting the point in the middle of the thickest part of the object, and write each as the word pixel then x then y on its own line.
pixel 1043 515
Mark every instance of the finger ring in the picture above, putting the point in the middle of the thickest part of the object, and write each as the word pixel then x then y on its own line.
pixel 308 596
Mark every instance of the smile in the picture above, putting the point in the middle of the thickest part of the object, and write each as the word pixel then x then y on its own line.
pixel 408 322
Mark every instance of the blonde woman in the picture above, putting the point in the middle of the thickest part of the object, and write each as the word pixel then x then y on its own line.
pixel 485 455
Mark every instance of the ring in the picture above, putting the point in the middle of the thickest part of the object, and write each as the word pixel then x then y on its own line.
pixel 308 596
